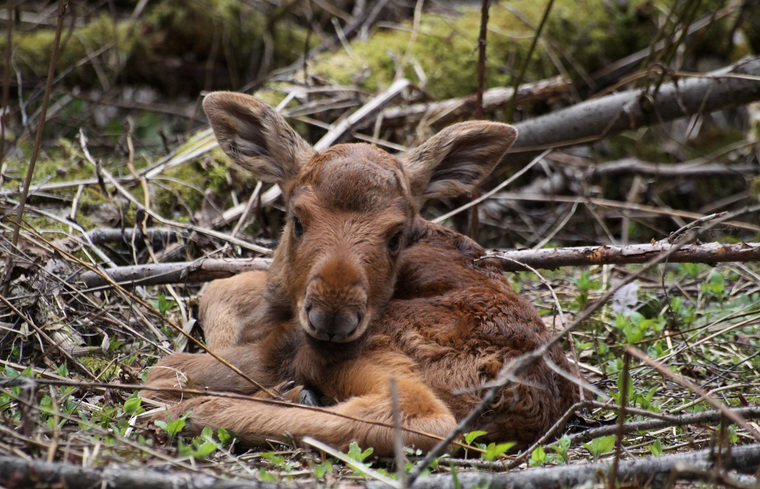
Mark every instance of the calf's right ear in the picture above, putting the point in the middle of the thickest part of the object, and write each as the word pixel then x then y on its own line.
pixel 256 137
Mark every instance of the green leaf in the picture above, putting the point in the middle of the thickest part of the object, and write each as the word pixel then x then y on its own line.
pixel 716 283
pixel 322 469
pixel 469 437
pixel 11 372
pixel 733 437
pixel 204 450
pixel 175 427
pixel 172 427
pixel 265 476
pixel 225 438
pixel 600 446
pixel 455 476
pixel 62 370
pixel 538 457
pixel 562 446
pixel 133 405
pixel 207 433
pixel 656 448
pixel 494 450
pixel 356 453
pixel 276 460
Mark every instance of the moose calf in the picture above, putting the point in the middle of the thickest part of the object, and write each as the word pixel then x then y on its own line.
pixel 362 290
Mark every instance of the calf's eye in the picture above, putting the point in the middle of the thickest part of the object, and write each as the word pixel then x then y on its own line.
pixel 297 227
pixel 395 242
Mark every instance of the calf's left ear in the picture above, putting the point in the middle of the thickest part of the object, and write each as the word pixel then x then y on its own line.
pixel 457 159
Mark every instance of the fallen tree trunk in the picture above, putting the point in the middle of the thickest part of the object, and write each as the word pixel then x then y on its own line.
pixel 645 472
pixel 513 260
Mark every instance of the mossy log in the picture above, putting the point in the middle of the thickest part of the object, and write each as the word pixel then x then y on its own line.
pixel 174 46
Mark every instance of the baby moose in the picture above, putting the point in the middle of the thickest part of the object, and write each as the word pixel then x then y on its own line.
pixel 363 290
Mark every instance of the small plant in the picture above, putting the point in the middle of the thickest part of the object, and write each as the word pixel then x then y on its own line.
pixel 280 462
pixel 162 304
pixel 538 457
pixel 471 437
pixel 495 450
pixel 356 453
pixel 323 469
pixel 715 286
pixel 133 405
pixel 635 327
pixel 634 396
pixel 172 426
pixel 585 285
pixel 266 476
pixel 562 447
pixel 655 448
pixel 200 446
pixel 599 446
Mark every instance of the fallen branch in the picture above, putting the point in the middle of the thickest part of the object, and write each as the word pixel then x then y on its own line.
pixel 17 472
pixel 595 119
pixel 203 270
pixel 618 255
pixel 666 421
pixel 696 168
pixel 649 472
pixel 455 109
pixel 209 269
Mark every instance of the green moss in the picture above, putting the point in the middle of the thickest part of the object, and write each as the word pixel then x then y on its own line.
pixel 179 191
pixel 32 50
pixel 585 35
pixel 172 45
pixel 104 369
pixel 446 47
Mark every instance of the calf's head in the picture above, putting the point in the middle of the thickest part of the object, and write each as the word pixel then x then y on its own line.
pixel 350 209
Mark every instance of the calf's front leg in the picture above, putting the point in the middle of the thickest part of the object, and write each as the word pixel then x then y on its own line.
pixel 254 421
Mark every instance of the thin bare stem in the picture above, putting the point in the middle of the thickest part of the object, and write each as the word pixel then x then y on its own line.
pixel 4 112
pixel 62 6
pixel 621 420
pixel 526 60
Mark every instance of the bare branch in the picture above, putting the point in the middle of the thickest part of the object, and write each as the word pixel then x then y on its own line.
pixel 209 269
pixel 454 109
pixel 617 255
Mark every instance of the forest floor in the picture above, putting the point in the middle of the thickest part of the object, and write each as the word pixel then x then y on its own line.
pixel 130 176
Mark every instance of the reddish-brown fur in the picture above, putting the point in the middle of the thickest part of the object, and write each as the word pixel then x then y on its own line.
pixel 362 290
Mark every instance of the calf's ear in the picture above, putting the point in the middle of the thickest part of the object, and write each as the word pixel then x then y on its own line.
pixel 256 137
pixel 457 159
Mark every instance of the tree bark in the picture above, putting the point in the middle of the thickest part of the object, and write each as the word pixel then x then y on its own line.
pixel 649 472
